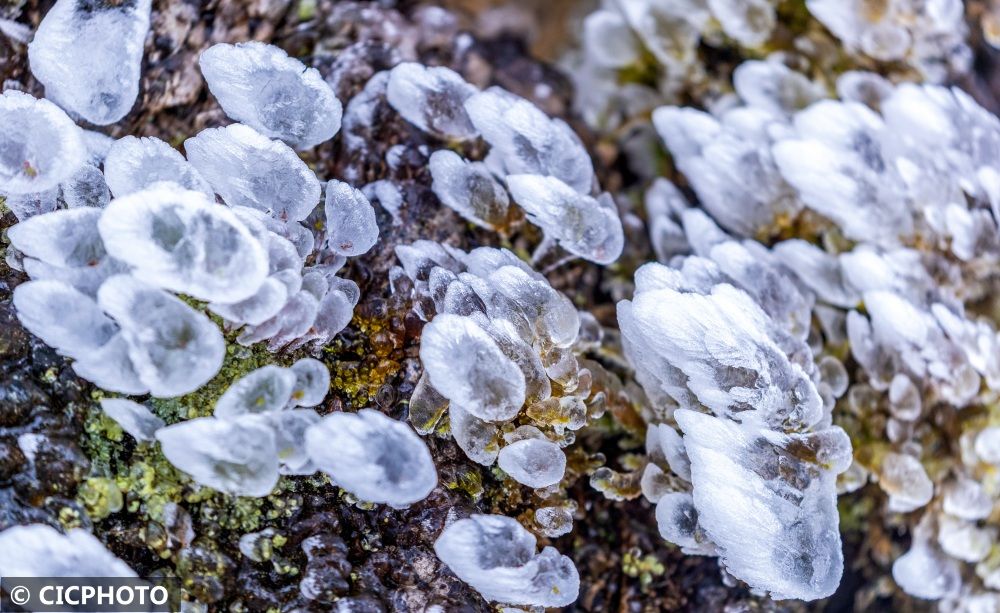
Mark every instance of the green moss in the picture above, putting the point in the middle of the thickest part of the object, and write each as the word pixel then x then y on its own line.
pixel 644 567
pixel 100 496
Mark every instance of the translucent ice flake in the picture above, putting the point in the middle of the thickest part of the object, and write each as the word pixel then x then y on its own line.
pixel 89 56
pixel 792 548
pixel 432 99
pixel 133 418
pixel 248 169
pixel 774 87
pixel 466 366
pixel 750 22
pixel 526 141
pixel 533 462
pixel 376 458
pixel 906 482
pixel 351 228
pixel 469 189
pixel 38 550
pixel 261 391
pixel 175 349
pixel 182 241
pixel 677 521
pixel 496 556
pixel 278 96
pixel 86 188
pixel 63 317
pixel 40 147
pixel 587 227
pixel 133 164
pixel 312 382
pixel 237 457
pixel 925 571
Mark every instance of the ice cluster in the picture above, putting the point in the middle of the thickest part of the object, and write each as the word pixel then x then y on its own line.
pixel 540 160
pixel 498 557
pixel 898 186
pixel 38 550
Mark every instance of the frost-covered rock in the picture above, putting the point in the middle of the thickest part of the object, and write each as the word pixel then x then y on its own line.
pixel 351 228
pixel 89 56
pixel 469 189
pixel 533 462
pixel 38 550
pixel 376 458
pixel 496 556
pixel 524 140
pixel 237 457
pixel 276 95
pixel 133 418
pixel 432 99
pixel 182 241
pixel 40 147
pixel 249 169
pixel 133 164
pixel 587 227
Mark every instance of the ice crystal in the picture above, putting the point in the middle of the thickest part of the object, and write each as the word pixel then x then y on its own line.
pixel 497 557
pixel 133 164
pixel 234 456
pixel 37 550
pixel 262 391
pixel 376 458
pixel 40 147
pixel 249 169
pixel 133 418
pixel 276 95
pixel 432 99
pixel 89 56
pixel 87 187
pixel 351 228
pixel 469 189
pixel 584 226
pixel 524 140
pixel 182 241
pixel 534 462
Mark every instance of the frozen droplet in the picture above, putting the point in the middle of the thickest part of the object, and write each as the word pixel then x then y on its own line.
pixel 175 349
pixel 469 189
pixel 964 540
pixel 40 147
pixel 290 428
pixel 431 98
pixel 967 499
pixel 476 437
pixel 376 458
pixel 236 456
pixel 925 572
pixel 534 462
pixel 63 317
pixel 677 521
pixel 261 391
pixel 903 477
pixel 89 56
pixel 774 87
pixel 749 22
pixel 496 556
pixel 351 228
pixel 180 240
pixel 133 164
pixel 904 398
pixel 259 85
pixel 251 170
pixel 134 418
pixel 554 521
pixel 988 445
pixel 466 366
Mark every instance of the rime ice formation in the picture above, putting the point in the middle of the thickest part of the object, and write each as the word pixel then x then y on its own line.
pixel 698 341
pixel 40 147
pixel 374 457
pixel 432 99
pixel 87 187
pixel 89 56
pixel 276 95
pixel 133 164
pixel 38 550
pixel 251 170
pixel 496 556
